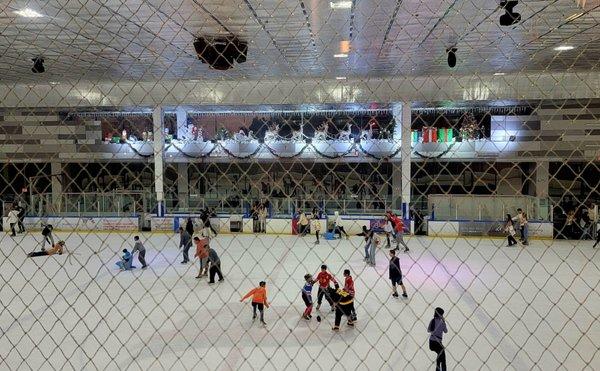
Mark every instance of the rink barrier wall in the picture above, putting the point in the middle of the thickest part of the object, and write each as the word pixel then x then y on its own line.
pixel 104 223
pixel 490 228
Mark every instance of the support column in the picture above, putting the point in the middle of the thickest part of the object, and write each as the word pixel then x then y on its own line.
pixel 183 190
pixel 542 179
pixel 401 112
pixel 159 145
pixel 182 129
pixel 57 190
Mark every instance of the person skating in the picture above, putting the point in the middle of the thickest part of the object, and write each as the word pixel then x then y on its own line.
pixel 47 236
pixel 189 226
pixel 509 228
pixel 59 248
pixel 21 215
pixel 338 228
pixel 597 239
pixel 303 228
pixel 395 274
pixel 367 234
pixel 185 242
pixel 324 278
pixel 316 226
pixel 202 255
pixel 344 306
pixel 214 263
pixel 259 300
pixel 388 229
pixel 436 329
pixel 307 296
pixel 126 261
pixel 349 288
pixel 205 217
pixel 13 220
pixel 399 230
pixel 139 247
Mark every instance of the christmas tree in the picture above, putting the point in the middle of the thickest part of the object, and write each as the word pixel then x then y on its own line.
pixel 470 128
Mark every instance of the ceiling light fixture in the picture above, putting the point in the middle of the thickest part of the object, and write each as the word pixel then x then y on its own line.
pixel 28 13
pixel 340 55
pixel 451 56
pixel 341 78
pixel 564 48
pixel 509 17
pixel 499 74
pixel 38 65
pixel 340 4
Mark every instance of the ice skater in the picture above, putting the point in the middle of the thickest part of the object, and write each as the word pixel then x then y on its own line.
pixel 349 288
pixel 375 243
pixel 307 296
pixel 205 217
pixel 324 278
pixel 338 228
pixel 185 242
pixel 202 255
pixel 316 226
pixel 59 248
pixel 395 274
pixel 303 224
pixel 13 219
pixel 141 250
pixel 47 236
pixel 21 215
pixel 436 329
pixel 259 301
pixel 214 266
pixel 388 229
pixel 189 226
pixel 509 228
pixel 399 230
pixel 367 234
pixel 344 306
pixel 126 261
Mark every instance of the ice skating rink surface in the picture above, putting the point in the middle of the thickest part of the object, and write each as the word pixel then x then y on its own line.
pixel 507 308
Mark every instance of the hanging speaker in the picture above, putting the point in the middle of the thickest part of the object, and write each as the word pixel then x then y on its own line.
pixel 221 53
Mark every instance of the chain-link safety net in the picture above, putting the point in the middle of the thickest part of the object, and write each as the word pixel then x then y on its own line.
pixel 444 153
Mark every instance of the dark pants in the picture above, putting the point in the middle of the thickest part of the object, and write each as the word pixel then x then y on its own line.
pixel 215 269
pixel 186 250
pixel 323 292
pixel 440 361
pixel 12 228
pixel 208 225
pixel 339 230
pixel 21 225
pixel 597 239
pixel 261 309
pixel 511 240
pixel 317 235
pixel 37 253
pixel 343 310
pixel 142 258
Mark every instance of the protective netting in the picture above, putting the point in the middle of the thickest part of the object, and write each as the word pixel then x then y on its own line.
pixel 331 116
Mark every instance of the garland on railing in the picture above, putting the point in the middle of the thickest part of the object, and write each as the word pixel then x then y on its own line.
pixel 194 156
pixel 138 152
pixel 352 147
pixel 258 147
pixel 393 154
pixel 445 152
pixel 274 153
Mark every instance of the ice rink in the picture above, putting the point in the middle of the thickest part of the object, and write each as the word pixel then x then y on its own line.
pixel 533 308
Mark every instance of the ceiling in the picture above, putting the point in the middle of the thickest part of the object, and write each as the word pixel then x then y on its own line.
pixel 149 40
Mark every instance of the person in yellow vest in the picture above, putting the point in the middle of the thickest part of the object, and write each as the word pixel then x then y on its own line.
pixel 316 226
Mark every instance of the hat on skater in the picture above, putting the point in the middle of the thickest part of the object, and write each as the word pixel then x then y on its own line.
pixel 439 311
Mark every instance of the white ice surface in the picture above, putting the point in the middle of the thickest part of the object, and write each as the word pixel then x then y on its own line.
pixel 506 308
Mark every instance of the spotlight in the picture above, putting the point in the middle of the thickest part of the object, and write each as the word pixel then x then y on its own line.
pixel 509 17
pixel 38 65
pixel 451 56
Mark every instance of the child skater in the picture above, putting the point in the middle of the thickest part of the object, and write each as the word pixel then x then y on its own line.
pixel 307 296
pixel 56 249
pixel 202 254
pixel 125 263
pixel 510 229
pixel 316 226
pixel 259 301
pixel 349 288
pixel 324 278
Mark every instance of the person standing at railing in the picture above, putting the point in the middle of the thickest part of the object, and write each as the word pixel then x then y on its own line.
pixel 303 223
pixel 189 226
pixel 47 236
pixel 316 226
pixel 262 219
